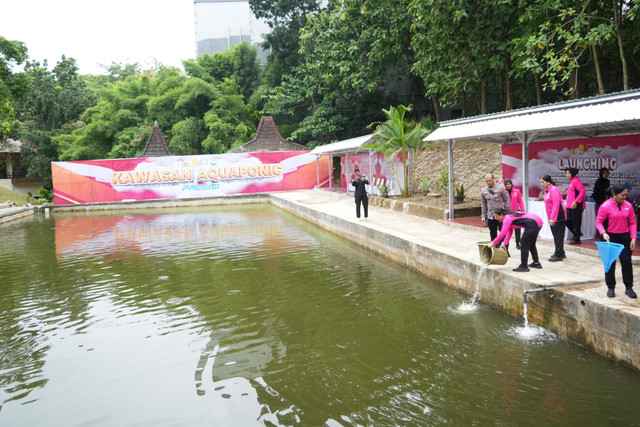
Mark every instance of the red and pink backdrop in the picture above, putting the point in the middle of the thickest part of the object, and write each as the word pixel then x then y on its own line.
pixel 95 181
pixel 619 154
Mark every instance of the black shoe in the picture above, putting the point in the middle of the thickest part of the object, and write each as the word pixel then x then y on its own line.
pixel 611 293
pixel 535 265
pixel 521 268
pixel 574 242
pixel 518 246
pixel 555 258
pixel 631 293
pixel 563 256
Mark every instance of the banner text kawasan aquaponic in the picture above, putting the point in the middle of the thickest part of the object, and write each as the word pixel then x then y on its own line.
pixel 96 181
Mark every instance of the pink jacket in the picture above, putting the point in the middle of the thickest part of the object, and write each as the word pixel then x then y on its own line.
pixel 575 185
pixel 621 218
pixel 516 200
pixel 511 222
pixel 553 203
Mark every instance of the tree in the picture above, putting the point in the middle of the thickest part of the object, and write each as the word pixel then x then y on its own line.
pixel 558 35
pixel 53 105
pixel 398 136
pixel 240 64
pixel 12 85
pixel 460 46
pixel 357 59
pixel 196 116
pixel 228 120
pixel 285 18
pixel 120 71
pixel 110 127
pixel 623 11
pixel 188 135
pixel 56 97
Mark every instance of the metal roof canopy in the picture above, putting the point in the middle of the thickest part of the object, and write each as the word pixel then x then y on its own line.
pixel 603 115
pixel 340 148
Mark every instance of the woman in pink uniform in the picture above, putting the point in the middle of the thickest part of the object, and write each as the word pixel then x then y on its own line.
pixel 531 223
pixel 515 197
pixel 556 215
pixel 622 228
pixel 575 204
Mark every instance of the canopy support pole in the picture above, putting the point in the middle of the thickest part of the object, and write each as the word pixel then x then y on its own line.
pixel 451 176
pixel 317 171
pixel 371 179
pixel 330 172
pixel 346 171
pixel 525 141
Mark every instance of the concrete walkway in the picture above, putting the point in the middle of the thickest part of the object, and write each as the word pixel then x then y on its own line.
pixel 575 305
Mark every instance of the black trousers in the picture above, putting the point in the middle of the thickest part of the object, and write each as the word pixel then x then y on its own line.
pixel 558 239
pixel 625 262
pixel 517 233
pixel 365 204
pixel 528 244
pixel 574 221
pixel 494 226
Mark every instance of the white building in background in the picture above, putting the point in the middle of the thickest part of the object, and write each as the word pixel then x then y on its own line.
pixel 220 24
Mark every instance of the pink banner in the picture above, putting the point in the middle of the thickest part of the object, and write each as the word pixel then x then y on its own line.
pixel 382 173
pixel 619 154
pixel 115 180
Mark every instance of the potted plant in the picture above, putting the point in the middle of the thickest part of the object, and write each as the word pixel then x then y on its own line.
pixel 384 190
pixel 425 185
pixel 459 194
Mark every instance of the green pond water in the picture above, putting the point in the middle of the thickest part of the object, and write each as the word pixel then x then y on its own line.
pixel 245 315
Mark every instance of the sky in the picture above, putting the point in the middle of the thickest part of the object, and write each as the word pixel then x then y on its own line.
pixel 98 32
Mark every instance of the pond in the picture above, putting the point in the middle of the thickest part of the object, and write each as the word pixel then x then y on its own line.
pixel 247 315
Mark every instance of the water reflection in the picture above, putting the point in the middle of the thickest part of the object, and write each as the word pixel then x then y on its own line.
pixel 246 315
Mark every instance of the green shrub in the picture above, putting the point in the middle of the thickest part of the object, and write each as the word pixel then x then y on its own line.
pixel 384 190
pixel 459 193
pixel 442 183
pixel 425 185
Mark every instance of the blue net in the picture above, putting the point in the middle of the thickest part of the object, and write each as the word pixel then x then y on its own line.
pixel 609 252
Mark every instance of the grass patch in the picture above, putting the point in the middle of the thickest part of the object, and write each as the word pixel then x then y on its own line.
pixel 6 195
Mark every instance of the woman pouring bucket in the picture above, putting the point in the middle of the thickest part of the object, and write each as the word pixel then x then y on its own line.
pixel 531 223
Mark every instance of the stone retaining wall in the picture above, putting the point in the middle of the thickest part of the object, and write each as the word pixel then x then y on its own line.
pixel 420 210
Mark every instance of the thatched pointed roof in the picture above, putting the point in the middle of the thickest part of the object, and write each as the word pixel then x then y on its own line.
pixel 268 138
pixel 156 145
pixel 10 146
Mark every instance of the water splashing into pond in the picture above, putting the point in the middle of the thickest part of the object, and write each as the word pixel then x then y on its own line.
pixel 472 305
pixel 529 331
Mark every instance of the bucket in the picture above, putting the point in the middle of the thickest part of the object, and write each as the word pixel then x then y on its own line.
pixel 491 255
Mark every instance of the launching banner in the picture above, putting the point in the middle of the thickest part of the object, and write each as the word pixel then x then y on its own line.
pixel 619 154
pixel 95 181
